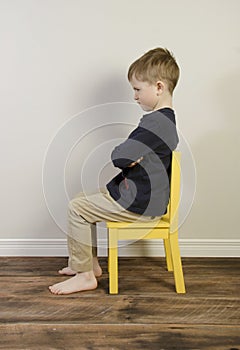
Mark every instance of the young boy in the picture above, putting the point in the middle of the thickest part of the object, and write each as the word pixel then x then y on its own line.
pixel 141 190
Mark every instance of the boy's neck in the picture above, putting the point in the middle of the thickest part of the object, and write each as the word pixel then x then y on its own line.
pixel 164 102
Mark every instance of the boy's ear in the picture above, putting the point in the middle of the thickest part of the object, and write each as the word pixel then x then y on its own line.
pixel 160 86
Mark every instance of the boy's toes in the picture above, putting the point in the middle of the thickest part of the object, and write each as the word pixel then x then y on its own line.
pixel 53 289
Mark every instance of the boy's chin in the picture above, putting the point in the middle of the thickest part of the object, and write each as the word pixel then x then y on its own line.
pixel 146 108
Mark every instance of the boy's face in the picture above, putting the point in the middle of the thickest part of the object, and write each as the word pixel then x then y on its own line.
pixel 145 94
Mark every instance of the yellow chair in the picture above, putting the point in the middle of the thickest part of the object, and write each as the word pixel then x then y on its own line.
pixel 166 229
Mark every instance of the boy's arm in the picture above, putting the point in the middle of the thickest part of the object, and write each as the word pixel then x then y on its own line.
pixel 147 137
pixel 132 151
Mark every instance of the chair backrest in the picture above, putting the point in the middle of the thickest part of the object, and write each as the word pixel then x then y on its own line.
pixel 172 212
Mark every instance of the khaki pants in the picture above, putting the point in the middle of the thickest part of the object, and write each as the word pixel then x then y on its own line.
pixel 84 212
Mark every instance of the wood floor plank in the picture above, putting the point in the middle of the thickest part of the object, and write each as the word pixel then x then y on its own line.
pixel 118 337
pixel 25 266
pixel 31 266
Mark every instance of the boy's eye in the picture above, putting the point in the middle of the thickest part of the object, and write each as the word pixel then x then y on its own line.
pixel 135 89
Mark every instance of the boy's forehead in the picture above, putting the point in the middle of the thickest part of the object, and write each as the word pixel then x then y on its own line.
pixel 133 79
pixel 135 82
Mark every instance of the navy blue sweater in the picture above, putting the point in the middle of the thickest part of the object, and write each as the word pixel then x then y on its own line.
pixel 144 188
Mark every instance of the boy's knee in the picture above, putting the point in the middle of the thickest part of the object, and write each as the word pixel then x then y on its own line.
pixel 75 205
pixel 77 212
pixel 72 207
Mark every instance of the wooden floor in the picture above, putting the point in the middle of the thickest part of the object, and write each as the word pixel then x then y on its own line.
pixel 147 314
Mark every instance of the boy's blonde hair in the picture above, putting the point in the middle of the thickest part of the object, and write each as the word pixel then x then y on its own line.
pixel 154 65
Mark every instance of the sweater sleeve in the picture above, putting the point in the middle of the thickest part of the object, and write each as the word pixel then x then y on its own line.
pixel 134 148
pixel 152 134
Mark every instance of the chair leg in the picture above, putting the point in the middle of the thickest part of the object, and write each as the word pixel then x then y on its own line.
pixel 108 250
pixel 113 261
pixel 168 254
pixel 177 264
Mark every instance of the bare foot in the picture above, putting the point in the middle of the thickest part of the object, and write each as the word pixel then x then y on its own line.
pixel 80 282
pixel 96 269
pixel 67 271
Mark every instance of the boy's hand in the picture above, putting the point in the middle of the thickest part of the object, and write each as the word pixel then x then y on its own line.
pixel 135 163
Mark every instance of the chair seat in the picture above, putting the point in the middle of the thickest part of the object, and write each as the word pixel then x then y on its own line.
pixel 163 223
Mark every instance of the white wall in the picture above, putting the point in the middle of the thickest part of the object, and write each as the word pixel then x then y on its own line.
pixel 61 57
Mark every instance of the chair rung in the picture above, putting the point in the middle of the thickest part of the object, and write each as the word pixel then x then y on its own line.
pixel 139 234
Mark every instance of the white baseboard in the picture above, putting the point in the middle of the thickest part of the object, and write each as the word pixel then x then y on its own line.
pixel 58 247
